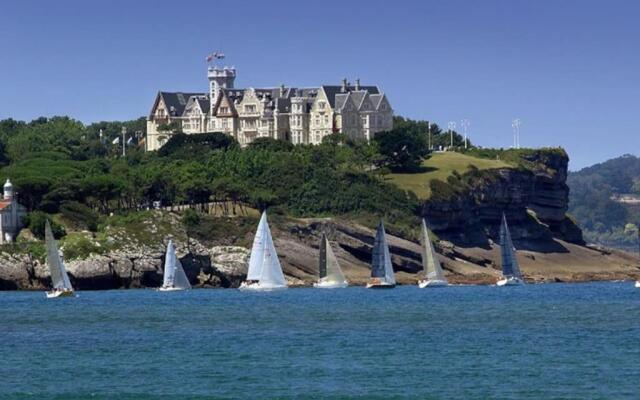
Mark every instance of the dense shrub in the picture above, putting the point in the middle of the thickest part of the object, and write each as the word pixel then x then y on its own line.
pixel 36 221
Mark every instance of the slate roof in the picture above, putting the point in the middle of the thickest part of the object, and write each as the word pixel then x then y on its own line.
pixel 332 91
pixel 177 100
pixel 204 104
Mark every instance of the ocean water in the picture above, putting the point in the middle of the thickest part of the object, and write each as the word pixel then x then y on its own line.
pixel 554 341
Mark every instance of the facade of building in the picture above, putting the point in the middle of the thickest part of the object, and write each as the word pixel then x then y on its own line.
pixel 299 115
pixel 11 214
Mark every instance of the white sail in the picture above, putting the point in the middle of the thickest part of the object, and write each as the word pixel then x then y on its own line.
pixel 329 269
pixel 271 271
pixel 390 276
pixel 334 272
pixel 510 267
pixel 257 251
pixel 59 277
pixel 174 275
pixel 430 262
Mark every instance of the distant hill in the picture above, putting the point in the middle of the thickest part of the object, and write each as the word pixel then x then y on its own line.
pixel 605 201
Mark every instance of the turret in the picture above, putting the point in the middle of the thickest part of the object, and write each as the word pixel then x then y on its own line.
pixel 220 79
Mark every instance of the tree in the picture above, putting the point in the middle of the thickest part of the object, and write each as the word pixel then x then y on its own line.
pixel 402 150
pixel 190 220
pixel 270 144
pixel 36 222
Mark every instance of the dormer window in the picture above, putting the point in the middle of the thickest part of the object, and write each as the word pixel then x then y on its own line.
pixel 250 108
pixel 321 105
pixel 224 110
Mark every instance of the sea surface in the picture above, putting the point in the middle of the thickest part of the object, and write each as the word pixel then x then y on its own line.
pixel 553 341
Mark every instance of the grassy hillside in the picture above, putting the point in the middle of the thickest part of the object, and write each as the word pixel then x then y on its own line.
pixel 440 166
pixel 593 203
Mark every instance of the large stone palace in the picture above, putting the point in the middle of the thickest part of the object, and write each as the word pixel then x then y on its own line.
pixel 299 115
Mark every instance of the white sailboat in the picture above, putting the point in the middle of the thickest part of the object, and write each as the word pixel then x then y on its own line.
pixel 59 278
pixel 331 275
pixel 511 275
pixel 265 272
pixel 382 275
pixel 174 276
pixel 430 263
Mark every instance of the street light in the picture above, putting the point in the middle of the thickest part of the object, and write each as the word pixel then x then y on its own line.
pixel 465 124
pixel 515 124
pixel 124 141
pixel 429 125
pixel 452 127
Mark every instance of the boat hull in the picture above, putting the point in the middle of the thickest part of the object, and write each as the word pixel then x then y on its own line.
pixel 427 283
pixel 380 285
pixel 330 285
pixel 170 289
pixel 510 282
pixel 60 293
pixel 257 287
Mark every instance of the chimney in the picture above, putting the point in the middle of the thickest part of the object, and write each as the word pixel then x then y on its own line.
pixel 343 88
pixel 357 84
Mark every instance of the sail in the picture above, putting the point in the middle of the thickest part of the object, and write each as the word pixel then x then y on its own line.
pixel 271 271
pixel 257 252
pixel 510 267
pixel 381 266
pixel 430 262
pixel 169 266
pixel 174 275
pixel 181 281
pixel 59 277
pixel 322 260
pixel 330 267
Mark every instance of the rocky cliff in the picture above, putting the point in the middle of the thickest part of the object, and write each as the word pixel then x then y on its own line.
pixel 535 197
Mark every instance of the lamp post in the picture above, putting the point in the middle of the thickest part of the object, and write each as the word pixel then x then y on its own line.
pixel 465 124
pixel 124 141
pixel 515 124
pixel 429 128
pixel 452 126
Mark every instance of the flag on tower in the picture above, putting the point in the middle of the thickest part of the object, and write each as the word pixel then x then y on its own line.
pixel 218 55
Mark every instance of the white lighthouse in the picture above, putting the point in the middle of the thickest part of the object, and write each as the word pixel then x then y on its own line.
pixel 11 214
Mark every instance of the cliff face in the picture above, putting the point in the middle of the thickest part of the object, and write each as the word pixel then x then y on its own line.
pixel 535 200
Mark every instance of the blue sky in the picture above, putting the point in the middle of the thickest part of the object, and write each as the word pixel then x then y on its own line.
pixel 568 69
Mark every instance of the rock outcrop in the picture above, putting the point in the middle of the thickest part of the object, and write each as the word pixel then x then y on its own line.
pixel 534 199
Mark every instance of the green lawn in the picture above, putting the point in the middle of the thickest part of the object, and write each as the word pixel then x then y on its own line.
pixel 440 166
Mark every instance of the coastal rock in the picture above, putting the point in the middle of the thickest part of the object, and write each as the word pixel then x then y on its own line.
pixel 535 201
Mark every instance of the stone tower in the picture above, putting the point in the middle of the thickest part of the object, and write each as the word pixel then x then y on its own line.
pixel 219 78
